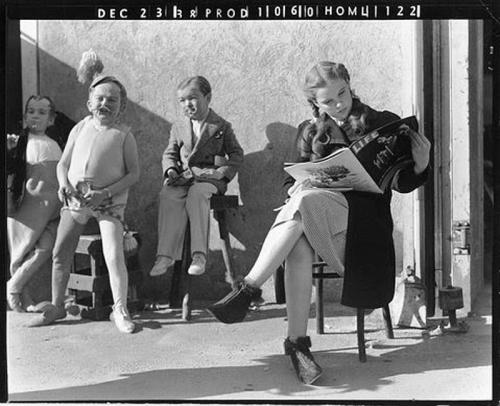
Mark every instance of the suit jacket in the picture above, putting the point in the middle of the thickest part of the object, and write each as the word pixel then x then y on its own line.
pixel 217 148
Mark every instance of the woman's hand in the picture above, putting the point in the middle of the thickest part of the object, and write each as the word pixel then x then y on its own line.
pixel 12 140
pixel 420 149
pixel 298 186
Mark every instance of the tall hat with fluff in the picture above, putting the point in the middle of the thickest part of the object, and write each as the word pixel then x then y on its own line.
pixel 90 72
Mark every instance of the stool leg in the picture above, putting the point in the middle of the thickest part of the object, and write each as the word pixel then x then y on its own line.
pixel 185 280
pixel 181 282
pixel 220 217
pixel 279 285
pixel 97 303
pixel 320 325
pixel 132 292
pixel 388 322
pixel 174 300
pixel 360 322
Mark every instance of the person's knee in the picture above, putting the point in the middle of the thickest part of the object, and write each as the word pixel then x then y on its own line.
pixel 302 251
pixel 168 201
pixel 198 198
pixel 305 196
pixel 201 191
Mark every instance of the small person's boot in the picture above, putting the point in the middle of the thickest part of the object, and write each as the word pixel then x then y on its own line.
pixel 161 265
pixel 14 299
pixel 306 368
pixel 234 307
pixel 14 302
pixel 49 314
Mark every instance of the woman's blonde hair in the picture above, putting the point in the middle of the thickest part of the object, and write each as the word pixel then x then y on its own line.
pixel 319 76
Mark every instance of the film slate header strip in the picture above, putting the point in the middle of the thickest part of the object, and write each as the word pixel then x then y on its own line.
pixel 234 10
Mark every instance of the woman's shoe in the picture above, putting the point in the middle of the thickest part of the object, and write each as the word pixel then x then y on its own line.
pixel 234 307
pixel 306 368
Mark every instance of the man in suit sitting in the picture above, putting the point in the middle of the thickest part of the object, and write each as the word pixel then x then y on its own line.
pixel 202 157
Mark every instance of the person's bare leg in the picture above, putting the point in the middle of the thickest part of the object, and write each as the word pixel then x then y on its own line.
pixel 112 247
pixel 298 286
pixel 278 243
pixel 277 246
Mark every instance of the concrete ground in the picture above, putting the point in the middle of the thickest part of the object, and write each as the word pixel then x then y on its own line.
pixel 168 359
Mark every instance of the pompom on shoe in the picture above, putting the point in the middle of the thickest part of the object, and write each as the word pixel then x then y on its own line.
pixel 234 307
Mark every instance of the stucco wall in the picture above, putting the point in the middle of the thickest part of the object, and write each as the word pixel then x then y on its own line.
pixel 256 70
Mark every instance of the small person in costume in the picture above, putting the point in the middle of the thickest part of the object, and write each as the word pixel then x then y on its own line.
pixel 33 207
pixel 98 166
pixel 201 158
pixel 351 231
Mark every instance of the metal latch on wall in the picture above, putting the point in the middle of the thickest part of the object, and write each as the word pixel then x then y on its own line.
pixel 461 237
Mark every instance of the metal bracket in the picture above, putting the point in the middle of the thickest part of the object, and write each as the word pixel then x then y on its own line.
pixel 461 237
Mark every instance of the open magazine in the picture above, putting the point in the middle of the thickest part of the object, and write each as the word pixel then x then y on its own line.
pixel 368 164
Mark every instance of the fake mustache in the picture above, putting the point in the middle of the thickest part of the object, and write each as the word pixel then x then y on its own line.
pixel 103 109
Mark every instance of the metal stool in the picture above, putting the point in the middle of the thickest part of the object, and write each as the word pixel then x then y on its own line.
pixel 318 275
pixel 181 281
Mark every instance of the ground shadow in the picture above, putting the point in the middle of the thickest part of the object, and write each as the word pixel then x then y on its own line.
pixel 200 315
pixel 344 377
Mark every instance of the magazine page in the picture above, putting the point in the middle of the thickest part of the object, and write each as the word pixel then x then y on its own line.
pixel 340 170
pixel 384 151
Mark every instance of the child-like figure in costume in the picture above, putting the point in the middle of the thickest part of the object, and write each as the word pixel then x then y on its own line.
pixel 98 166
pixel 33 207
pixel 202 157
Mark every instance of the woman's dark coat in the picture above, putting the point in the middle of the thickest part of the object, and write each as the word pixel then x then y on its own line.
pixel 369 258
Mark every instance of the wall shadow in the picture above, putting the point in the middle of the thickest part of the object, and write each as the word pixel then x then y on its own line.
pixel 261 189
pixel 58 81
pixel 260 181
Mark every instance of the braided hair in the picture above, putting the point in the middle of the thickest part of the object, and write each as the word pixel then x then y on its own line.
pixel 320 127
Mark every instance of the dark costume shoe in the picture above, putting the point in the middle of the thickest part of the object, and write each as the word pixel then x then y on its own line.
pixel 234 307
pixel 306 368
pixel 14 301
